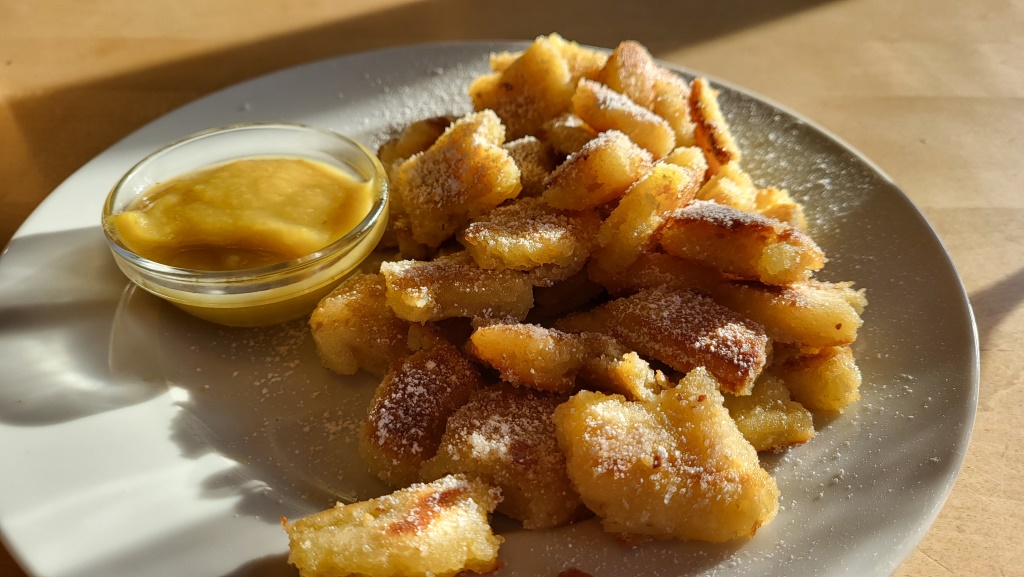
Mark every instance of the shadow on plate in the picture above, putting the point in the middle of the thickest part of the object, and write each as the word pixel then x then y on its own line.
pixel 261 397
pixel 179 551
pixel 78 340
pixel 269 566
pixel 60 300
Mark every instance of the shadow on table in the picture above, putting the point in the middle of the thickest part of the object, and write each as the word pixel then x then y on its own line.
pixel 92 116
pixel 993 306
pixel 994 303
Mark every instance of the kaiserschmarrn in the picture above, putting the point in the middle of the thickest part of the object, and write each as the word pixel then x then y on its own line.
pixel 592 309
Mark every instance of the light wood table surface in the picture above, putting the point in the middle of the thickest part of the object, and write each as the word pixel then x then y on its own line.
pixel 931 90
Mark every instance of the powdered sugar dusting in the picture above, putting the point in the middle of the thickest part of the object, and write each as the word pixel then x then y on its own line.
pixel 261 397
pixel 685 330
pixel 408 415
pixel 719 215
pixel 610 100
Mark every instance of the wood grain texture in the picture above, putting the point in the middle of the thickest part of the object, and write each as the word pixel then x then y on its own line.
pixel 940 112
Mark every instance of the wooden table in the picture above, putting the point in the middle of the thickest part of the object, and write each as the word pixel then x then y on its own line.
pixel 931 90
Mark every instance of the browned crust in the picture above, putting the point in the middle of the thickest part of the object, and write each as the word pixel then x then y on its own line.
pixel 631 70
pixel 685 330
pixel 711 131
pixel 428 507
pixel 408 413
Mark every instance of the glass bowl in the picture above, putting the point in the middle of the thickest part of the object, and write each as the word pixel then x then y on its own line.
pixel 255 296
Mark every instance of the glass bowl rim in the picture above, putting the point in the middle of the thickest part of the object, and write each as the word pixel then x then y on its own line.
pixel 199 276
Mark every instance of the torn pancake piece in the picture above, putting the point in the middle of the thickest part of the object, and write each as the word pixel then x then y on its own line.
pixel 684 330
pixel 768 418
pixel 599 172
pixel 604 109
pixel 742 245
pixel 675 467
pixel 354 329
pixel 711 131
pixel 409 410
pixel 455 286
pixel 505 436
pixel 530 235
pixel 827 380
pixel 810 314
pixel 632 71
pixel 530 355
pixel 671 95
pixel 630 230
pixel 463 175
pixel 535 160
pixel 437 528
pixel 567 133
pixel 534 87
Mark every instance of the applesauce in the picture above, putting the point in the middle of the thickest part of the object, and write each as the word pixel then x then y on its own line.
pixel 244 214
pixel 248 224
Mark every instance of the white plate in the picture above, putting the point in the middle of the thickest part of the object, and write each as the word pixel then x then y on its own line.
pixel 137 441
